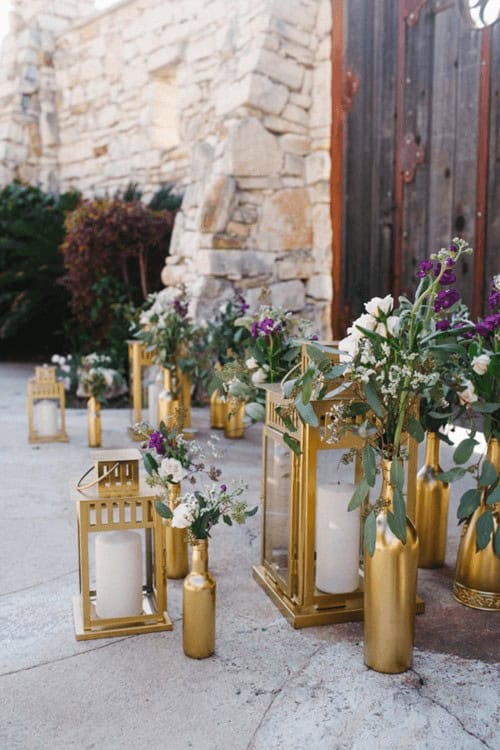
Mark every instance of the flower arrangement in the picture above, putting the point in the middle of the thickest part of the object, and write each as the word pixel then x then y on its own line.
pixel 226 340
pixel 390 357
pixel 200 510
pixel 97 379
pixel 66 370
pixel 165 327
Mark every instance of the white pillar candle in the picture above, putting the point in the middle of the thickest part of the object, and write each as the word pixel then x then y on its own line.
pixel 337 539
pixel 118 574
pixel 154 390
pixel 46 418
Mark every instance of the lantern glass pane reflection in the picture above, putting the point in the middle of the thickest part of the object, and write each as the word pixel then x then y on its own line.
pixel 278 490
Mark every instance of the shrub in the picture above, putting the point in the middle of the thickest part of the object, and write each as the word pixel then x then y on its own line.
pixel 113 253
pixel 33 307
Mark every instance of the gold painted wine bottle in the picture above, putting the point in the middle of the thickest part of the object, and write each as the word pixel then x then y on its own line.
pixel 94 422
pixel 176 541
pixel 217 411
pixel 431 508
pixel 390 590
pixel 198 605
pixel 234 426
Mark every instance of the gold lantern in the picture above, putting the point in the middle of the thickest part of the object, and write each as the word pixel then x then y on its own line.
pixel 113 505
pixel 305 500
pixel 139 358
pixel 46 407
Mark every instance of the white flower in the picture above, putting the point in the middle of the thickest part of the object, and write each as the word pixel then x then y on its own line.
pixel 348 348
pixel 379 305
pixel 393 324
pixel 481 363
pixel 172 470
pixel 259 376
pixel 55 359
pixel 251 363
pixel 496 282
pixel 365 321
pixel 183 516
pixel 165 298
pixel 468 395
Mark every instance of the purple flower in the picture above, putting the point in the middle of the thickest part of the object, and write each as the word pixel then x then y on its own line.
pixel 445 298
pixel 443 325
pixel 180 308
pixel 494 300
pixel 450 262
pixel 452 248
pixel 447 278
pixel 223 487
pixel 425 266
pixel 315 337
pixel 488 325
pixel 156 442
pixel 243 304
pixel 267 326
pixel 254 330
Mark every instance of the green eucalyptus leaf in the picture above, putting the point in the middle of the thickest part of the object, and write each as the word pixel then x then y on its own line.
pixel 488 474
pixel 485 408
pixel 444 438
pixel 372 398
pixel 452 475
pixel 464 450
pixel 468 503
pixel 400 513
pixel 255 411
pixel 306 413
pixel 288 388
pixel 358 408
pixel 292 443
pixel 227 520
pixel 397 474
pixel 163 510
pixel 493 496
pixel 369 465
pixel 307 386
pixel 484 529
pixel 252 512
pixel 150 464
pixel 415 429
pixel 335 372
pixel 359 495
pixel 396 527
pixel 370 533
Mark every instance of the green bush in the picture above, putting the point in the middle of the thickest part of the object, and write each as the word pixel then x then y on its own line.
pixel 34 308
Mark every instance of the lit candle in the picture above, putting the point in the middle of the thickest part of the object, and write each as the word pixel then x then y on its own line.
pixel 337 539
pixel 46 418
pixel 154 390
pixel 118 574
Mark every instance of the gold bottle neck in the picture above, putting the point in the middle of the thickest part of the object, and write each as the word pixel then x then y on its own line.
pixel 432 450
pixel 199 562
pixel 493 453
pixel 387 490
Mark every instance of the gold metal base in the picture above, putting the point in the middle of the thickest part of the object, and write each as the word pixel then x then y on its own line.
pixel 59 438
pixel 133 435
pixel 120 630
pixel 485 600
pixel 348 610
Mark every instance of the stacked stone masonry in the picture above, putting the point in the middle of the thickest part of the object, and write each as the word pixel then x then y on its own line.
pixel 228 99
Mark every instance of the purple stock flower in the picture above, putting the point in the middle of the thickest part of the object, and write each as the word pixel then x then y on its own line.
pixel 488 325
pixel 443 325
pixel 494 300
pixel 223 487
pixel 447 278
pixel 254 330
pixel 452 248
pixel 244 306
pixel 156 442
pixel 425 266
pixel 180 308
pixel 445 298
pixel 267 326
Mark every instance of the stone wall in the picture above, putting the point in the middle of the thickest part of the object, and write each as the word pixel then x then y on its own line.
pixel 229 99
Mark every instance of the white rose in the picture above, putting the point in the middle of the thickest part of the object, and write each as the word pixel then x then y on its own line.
pixel 251 363
pixel 468 395
pixel 182 517
pixel 393 324
pixel 259 376
pixel 481 363
pixel 379 304
pixel 348 348
pixel 496 282
pixel 171 469
pixel 365 321
pixel 55 359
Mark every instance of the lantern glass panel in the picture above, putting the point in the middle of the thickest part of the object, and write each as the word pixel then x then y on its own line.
pixel 46 417
pixel 278 493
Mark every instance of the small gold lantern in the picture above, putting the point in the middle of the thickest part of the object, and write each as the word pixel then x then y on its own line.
pixel 297 554
pixel 46 407
pixel 118 501
pixel 140 358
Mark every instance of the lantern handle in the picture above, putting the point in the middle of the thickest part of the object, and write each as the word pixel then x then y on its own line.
pixel 287 375
pixel 80 487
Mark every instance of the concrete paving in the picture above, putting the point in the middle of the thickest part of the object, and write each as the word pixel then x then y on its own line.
pixel 268 687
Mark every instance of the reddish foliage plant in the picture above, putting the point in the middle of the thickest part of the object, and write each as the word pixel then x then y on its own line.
pixel 117 240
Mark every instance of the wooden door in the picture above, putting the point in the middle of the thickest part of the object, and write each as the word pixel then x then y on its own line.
pixel 416 115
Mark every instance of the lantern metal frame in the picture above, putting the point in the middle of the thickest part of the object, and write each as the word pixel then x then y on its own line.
pixel 139 357
pixel 122 502
pixel 296 594
pixel 45 386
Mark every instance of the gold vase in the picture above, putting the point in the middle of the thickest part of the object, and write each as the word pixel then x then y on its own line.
pixel 390 590
pixel 477 575
pixel 217 411
pixel 198 605
pixel 94 422
pixel 234 426
pixel 167 405
pixel 176 560
pixel 431 508
pixel 184 386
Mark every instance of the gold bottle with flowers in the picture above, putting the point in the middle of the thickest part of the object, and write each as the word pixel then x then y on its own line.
pixel 94 422
pixel 234 426
pixel 431 508
pixel 198 605
pixel 176 541
pixel 477 575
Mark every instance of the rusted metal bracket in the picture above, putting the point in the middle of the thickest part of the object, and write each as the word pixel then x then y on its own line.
pixel 412 155
pixel 411 10
pixel 350 88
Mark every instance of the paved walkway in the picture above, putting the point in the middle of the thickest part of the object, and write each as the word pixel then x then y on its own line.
pixel 268 687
